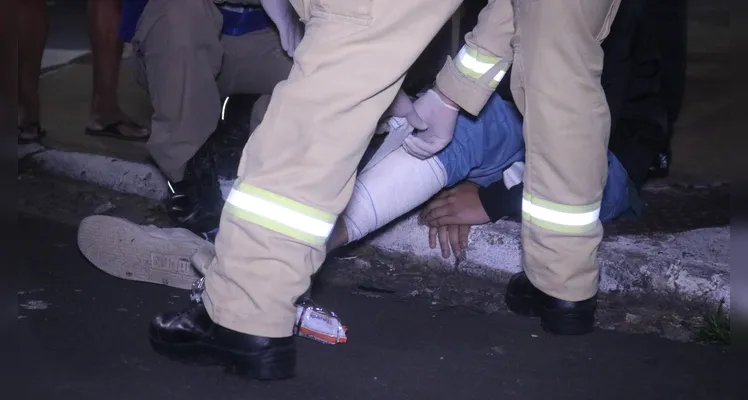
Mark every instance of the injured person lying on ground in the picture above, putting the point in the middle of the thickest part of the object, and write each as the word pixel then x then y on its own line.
pixel 485 150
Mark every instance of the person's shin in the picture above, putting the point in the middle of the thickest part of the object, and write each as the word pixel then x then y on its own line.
pixel 396 185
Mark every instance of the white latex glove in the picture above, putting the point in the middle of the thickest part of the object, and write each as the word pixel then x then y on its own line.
pixel 403 107
pixel 289 26
pixel 440 118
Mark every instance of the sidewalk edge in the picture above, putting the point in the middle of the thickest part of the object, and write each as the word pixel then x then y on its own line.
pixel 692 266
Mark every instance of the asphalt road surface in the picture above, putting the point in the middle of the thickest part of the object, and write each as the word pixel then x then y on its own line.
pixel 83 336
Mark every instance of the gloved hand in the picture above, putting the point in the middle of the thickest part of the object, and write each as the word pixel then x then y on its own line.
pixel 402 107
pixel 440 118
pixel 291 29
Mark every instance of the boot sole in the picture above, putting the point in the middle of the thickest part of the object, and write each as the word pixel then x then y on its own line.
pixel 275 364
pixel 566 323
pixel 556 322
pixel 521 305
pixel 123 249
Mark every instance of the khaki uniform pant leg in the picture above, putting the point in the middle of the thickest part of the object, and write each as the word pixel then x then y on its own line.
pixel 253 64
pixel 298 168
pixel 556 81
pixel 177 43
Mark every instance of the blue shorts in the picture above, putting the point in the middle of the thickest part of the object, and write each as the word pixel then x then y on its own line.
pixel 484 146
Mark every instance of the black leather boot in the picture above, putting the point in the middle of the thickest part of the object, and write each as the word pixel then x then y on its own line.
pixel 190 336
pixel 195 202
pixel 191 209
pixel 557 316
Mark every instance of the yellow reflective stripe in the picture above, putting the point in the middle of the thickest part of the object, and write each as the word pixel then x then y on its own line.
pixel 483 58
pixel 559 217
pixel 466 71
pixel 280 214
pixel 274 225
pixel 557 227
pixel 561 207
pixel 286 202
pixel 471 63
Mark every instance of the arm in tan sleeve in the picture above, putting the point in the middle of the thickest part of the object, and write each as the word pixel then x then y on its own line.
pixel 470 78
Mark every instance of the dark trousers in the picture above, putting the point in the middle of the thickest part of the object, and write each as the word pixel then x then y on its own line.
pixel 633 76
pixel 670 26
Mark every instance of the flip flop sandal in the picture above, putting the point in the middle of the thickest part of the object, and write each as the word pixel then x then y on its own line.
pixel 30 133
pixel 113 131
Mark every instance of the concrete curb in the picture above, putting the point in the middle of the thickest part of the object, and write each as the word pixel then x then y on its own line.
pixel 123 176
pixel 691 266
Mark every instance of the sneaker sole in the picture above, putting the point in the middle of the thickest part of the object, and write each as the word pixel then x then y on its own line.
pixel 123 249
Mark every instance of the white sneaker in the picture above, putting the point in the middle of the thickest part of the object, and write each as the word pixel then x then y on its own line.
pixel 140 253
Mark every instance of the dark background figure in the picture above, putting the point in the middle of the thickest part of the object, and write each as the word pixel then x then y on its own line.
pixel 633 80
pixel 106 117
pixel 670 30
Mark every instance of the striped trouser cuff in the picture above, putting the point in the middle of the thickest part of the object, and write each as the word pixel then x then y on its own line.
pixel 279 214
pixel 559 217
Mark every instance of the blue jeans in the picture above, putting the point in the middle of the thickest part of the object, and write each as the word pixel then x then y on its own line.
pixel 483 147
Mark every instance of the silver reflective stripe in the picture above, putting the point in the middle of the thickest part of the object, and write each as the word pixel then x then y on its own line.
pixel 280 214
pixel 558 217
pixel 475 66
pixel 223 109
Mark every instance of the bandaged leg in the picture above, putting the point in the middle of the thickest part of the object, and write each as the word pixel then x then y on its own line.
pixel 395 185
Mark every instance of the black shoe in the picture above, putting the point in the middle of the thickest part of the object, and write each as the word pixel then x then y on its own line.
pixel 192 337
pixel 191 210
pixel 196 202
pixel 559 317
pixel 179 205
pixel 661 166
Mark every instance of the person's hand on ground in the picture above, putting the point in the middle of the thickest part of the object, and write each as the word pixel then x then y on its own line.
pixel 440 117
pixel 402 107
pixel 284 17
pixel 459 205
pixel 454 236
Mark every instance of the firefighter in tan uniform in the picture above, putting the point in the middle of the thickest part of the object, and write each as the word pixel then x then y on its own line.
pixel 298 168
pixel 557 68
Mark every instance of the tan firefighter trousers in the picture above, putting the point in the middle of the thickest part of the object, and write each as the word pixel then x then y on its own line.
pixel 298 168
pixel 556 83
pixel 187 66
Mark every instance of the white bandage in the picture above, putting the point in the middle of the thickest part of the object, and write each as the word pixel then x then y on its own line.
pixel 398 129
pixel 395 185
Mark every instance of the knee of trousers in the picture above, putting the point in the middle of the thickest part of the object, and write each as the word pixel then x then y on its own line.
pixel 178 25
pixel 170 159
